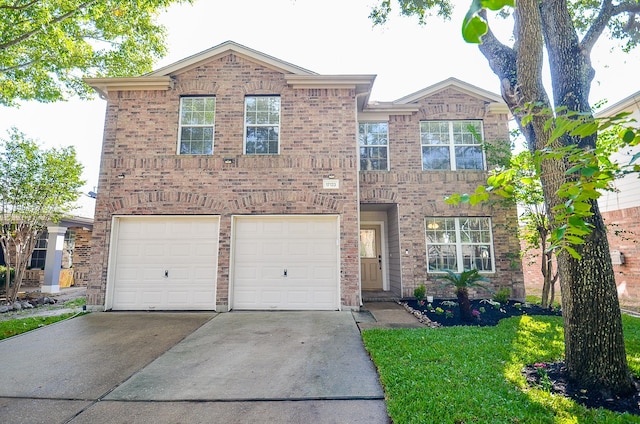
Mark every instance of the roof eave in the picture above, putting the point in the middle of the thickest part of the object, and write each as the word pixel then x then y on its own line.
pixel 105 85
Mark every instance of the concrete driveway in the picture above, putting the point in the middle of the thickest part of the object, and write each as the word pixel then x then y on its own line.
pixel 237 367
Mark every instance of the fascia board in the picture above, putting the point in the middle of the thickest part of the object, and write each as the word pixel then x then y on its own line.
pixel 450 82
pixel 361 83
pixel 104 85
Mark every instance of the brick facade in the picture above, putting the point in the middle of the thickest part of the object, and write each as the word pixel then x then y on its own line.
pixel 81 257
pixel 623 228
pixel 141 174
pixel 421 194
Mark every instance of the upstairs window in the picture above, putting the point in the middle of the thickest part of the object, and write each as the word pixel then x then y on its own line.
pixel 197 116
pixel 459 244
pixel 262 125
pixel 374 146
pixel 451 145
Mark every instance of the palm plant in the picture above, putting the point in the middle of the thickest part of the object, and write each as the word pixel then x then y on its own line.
pixel 462 282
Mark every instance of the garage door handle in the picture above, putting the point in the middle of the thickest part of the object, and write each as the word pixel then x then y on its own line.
pixel 285 272
pixel 166 273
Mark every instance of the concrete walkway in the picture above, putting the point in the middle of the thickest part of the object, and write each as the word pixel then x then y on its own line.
pixel 385 315
pixel 237 367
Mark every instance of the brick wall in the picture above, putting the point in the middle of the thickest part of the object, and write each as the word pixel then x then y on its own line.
pixel 317 138
pixel 623 228
pixel 421 194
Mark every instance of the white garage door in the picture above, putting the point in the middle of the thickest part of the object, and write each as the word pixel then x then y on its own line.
pixel 285 263
pixel 164 263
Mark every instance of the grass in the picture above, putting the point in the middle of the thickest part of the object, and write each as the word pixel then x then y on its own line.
pixel 14 327
pixel 472 374
pixel 75 303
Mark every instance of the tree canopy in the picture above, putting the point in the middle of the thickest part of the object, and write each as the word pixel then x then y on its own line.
pixel 37 187
pixel 47 47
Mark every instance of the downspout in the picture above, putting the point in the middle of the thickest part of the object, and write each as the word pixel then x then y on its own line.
pixel 357 131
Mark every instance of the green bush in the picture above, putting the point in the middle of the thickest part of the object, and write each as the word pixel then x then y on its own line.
pixel 502 295
pixel 419 292
pixel 3 276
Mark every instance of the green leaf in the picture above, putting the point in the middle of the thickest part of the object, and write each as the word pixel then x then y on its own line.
pixel 558 233
pixel 570 250
pixel 573 169
pixel 454 199
pixel 589 171
pixel 473 28
pixel 628 135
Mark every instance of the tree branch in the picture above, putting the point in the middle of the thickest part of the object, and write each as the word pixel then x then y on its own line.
pixel 24 6
pixel 598 26
pixel 30 34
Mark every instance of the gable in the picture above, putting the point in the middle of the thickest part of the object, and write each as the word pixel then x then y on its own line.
pixel 225 49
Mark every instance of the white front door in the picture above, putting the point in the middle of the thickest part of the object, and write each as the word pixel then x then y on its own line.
pixel 163 263
pixel 285 262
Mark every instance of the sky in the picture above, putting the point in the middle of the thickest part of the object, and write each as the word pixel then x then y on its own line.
pixel 327 37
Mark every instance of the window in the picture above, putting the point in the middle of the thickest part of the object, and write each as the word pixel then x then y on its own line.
pixel 368 244
pixel 459 244
pixel 262 125
pixel 39 252
pixel 67 250
pixel 451 145
pixel 374 142
pixel 197 116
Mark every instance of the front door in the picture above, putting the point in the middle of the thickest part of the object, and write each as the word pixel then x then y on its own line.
pixel 370 257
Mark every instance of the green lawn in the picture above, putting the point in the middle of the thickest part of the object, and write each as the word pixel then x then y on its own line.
pixel 472 374
pixel 13 327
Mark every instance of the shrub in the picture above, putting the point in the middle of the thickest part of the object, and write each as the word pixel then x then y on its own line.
pixel 502 295
pixel 3 276
pixel 419 292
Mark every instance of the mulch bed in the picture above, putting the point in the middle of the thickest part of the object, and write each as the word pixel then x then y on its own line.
pixel 558 383
pixel 548 376
pixel 488 314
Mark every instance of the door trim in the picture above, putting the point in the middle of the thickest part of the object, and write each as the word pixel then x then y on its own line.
pixel 383 251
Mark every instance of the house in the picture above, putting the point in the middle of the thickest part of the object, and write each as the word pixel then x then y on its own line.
pixel 62 252
pixel 621 212
pixel 235 180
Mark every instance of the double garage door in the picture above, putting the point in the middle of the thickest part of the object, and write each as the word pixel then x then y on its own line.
pixel 170 263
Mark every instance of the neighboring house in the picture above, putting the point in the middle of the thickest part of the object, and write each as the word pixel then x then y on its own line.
pixel 621 212
pixel 234 180
pixel 62 253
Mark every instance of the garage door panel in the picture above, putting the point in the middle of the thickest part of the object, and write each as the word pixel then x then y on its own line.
pixel 265 246
pixel 146 247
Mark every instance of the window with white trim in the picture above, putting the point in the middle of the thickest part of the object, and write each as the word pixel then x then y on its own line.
pixel 262 125
pixel 459 244
pixel 39 254
pixel 451 145
pixel 197 120
pixel 374 146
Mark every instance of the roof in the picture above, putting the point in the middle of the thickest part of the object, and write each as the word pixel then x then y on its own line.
pixel 407 104
pixel 626 104
pixel 296 76
pixel 222 50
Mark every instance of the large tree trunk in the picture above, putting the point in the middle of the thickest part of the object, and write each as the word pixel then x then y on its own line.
pixel 594 345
